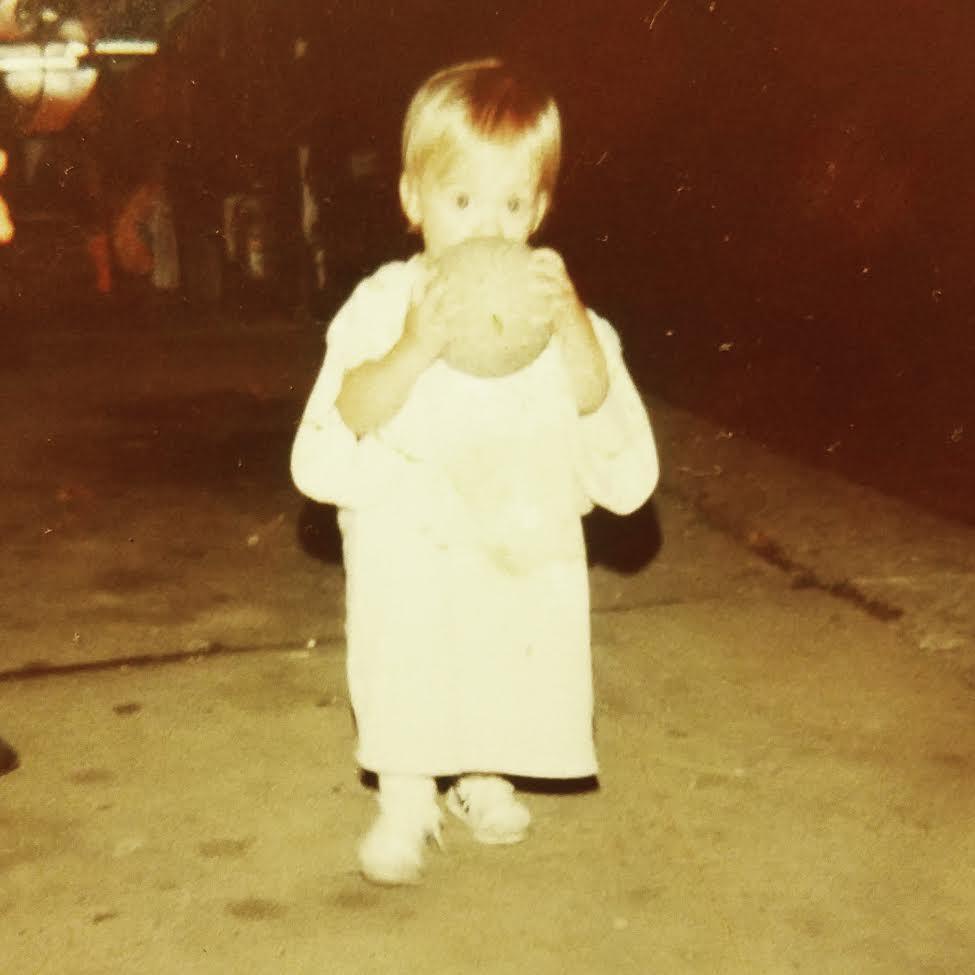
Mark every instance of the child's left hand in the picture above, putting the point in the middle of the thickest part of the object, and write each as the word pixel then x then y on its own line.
pixel 581 350
pixel 557 286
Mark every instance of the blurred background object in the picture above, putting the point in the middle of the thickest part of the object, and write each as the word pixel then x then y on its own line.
pixel 52 54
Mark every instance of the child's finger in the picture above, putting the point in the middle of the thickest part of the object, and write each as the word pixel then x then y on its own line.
pixel 549 260
pixel 550 268
pixel 547 254
pixel 435 292
pixel 418 291
pixel 3 161
pixel 428 274
pixel 552 286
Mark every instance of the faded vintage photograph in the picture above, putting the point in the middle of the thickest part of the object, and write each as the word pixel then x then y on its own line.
pixel 487 487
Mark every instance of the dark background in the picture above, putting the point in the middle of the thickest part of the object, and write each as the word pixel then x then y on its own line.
pixel 772 201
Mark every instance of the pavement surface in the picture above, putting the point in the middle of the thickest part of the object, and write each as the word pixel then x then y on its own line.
pixel 785 668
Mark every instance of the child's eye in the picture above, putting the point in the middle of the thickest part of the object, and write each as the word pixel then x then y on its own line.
pixel 462 201
pixel 514 205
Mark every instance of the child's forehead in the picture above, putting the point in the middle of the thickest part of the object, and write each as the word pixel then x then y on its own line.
pixel 493 162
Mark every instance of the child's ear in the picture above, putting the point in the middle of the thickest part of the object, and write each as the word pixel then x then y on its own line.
pixel 541 209
pixel 409 200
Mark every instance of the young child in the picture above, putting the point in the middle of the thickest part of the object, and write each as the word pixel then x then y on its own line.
pixel 460 498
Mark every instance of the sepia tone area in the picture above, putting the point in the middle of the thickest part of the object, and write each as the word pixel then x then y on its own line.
pixel 772 203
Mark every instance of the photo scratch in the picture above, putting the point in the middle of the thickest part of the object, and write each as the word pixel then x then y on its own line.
pixel 651 22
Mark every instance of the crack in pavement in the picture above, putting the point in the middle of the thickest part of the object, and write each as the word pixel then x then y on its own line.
pixel 212 651
pixel 802 576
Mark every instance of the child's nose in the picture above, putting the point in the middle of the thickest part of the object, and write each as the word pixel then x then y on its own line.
pixel 489 225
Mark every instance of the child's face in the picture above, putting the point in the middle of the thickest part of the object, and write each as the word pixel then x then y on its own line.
pixel 486 190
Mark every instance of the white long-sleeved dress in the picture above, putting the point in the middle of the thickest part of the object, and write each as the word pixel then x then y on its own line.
pixel 467 595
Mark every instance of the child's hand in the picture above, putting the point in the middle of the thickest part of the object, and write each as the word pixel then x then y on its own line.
pixel 557 286
pixel 425 330
pixel 581 351
pixel 375 390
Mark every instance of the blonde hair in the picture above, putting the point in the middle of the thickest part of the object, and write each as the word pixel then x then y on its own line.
pixel 481 100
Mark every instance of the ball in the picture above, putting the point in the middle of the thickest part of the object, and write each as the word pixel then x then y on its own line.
pixel 499 321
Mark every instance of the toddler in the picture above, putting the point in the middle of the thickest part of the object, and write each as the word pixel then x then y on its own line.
pixel 461 497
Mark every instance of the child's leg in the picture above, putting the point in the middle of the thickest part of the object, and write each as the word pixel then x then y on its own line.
pixel 487 804
pixel 409 817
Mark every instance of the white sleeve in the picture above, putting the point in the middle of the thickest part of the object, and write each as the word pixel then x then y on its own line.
pixel 619 465
pixel 328 462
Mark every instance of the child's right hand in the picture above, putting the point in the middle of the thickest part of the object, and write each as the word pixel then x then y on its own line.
pixel 426 328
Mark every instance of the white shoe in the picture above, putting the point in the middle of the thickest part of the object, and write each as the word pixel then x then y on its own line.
pixel 487 805
pixel 391 853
